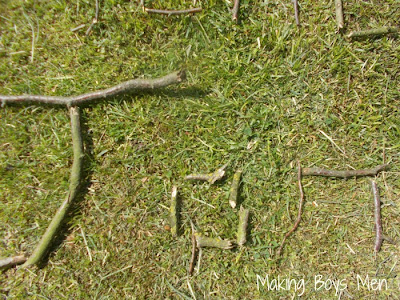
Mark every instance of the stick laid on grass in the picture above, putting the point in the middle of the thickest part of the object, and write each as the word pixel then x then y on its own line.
pixel 242 229
pixel 211 178
pixel 344 174
pixel 377 216
pixel 174 211
pixel 301 202
pixel 9 262
pixel 95 20
pixel 296 12
pixel 135 85
pixel 235 10
pixel 233 193
pixel 173 12
pixel 373 32
pixel 75 178
pixel 194 255
pixel 204 241
pixel 339 14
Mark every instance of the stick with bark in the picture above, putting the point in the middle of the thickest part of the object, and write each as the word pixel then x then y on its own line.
pixel 174 211
pixel 235 10
pixel 194 255
pixel 301 202
pixel 233 192
pixel 296 12
pixel 75 180
pixel 344 174
pixel 373 32
pixel 242 228
pixel 95 20
pixel 377 217
pixel 211 178
pixel 173 12
pixel 204 241
pixel 9 262
pixel 135 85
pixel 339 14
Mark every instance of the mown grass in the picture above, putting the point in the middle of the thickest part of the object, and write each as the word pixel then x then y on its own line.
pixel 258 94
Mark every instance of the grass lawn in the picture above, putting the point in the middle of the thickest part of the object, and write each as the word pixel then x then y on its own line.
pixel 261 94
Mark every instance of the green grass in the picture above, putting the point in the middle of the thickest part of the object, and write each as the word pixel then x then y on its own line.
pixel 258 94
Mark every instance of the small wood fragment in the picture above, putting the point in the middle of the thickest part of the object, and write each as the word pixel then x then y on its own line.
pixel 301 203
pixel 344 174
pixel 174 211
pixel 377 216
pixel 242 228
pixel 296 12
pixel 204 241
pixel 235 10
pixel 373 32
pixel 211 178
pixel 339 14
pixel 194 255
pixel 172 12
pixel 233 193
pixel 9 262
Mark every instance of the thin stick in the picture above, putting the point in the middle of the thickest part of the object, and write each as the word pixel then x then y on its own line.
pixel 75 178
pixel 301 202
pixel 9 262
pixel 377 217
pixel 344 174
pixel 233 193
pixel 135 85
pixel 95 20
pixel 242 228
pixel 235 10
pixel 339 14
pixel 373 32
pixel 296 12
pixel 204 241
pixel 174 211
pixel 211 178
pixel 173 12
pixel 194 255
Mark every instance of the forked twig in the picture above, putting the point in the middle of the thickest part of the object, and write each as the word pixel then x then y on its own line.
pixel 301 202
pixel 95 20
pixel 135 85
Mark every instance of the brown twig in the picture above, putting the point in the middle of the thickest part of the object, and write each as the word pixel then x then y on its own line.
pixel 373 32
pixel 211 178
pixel 301 202
pixel 172 12
pixel 235 10
pixel 135 85
pixel 95 20
pixel 296 12
pixel 377 216
pixel 194 255
pixel 6 263
pixel 344 174
pixel 339 14
pixel 75 180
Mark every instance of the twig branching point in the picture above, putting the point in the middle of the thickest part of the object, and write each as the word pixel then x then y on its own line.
pixel 233 193
pixel 135 85
pixel 344 174
pixel 301 203
pixel 377 216
pixel 75 178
